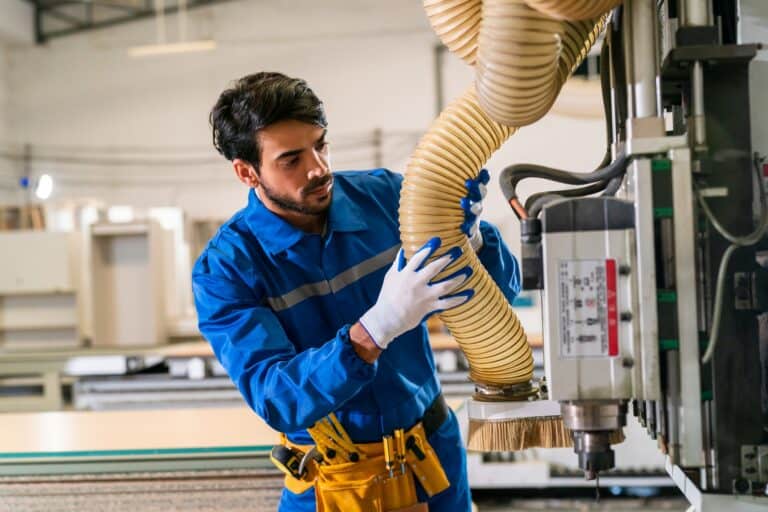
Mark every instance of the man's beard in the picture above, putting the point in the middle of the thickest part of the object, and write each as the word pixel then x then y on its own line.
pixel 286 203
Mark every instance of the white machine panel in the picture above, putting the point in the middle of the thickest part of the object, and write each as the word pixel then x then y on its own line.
pixel 588 338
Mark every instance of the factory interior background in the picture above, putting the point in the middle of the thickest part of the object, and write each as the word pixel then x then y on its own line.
pixel 110 188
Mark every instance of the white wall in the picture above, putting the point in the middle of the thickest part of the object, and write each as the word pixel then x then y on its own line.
pixel 3 94
pixel 85 90
pixel 16 29
pixel 6 181
pixel 371 62
pixel 17 22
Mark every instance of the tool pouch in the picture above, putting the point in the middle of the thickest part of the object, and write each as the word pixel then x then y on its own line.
pixel 363 486
pixel 299 485
pixel 423 461
pixel 366 485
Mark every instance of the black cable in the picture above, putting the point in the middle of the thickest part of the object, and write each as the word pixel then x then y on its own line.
pixel 607 177
pixel 514 174
pixel 605 90
pixel 572 192
pixel 613 186
pixel 545 198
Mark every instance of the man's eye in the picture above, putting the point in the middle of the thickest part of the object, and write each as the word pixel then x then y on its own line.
pixel 291 163
pixel 322 146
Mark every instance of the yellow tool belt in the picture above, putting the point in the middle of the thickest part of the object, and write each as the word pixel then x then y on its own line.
pixel 381 477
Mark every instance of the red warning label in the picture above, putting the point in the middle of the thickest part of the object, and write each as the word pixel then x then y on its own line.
pixel 612 311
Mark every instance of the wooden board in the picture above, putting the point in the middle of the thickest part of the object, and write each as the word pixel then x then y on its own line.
pixel 95 431
pixel 77 431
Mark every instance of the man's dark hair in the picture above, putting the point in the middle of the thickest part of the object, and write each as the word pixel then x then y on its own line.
pixel 256 101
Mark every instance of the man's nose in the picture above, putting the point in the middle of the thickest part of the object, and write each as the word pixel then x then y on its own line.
pixel 319 166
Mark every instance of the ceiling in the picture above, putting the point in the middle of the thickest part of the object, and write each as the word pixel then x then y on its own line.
pixel 59 18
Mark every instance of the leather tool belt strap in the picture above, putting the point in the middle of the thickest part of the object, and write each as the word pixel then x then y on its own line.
pixel 435 415
pixel 372 477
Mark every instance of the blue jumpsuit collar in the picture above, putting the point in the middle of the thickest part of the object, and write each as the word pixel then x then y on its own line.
pixel 345 214
pixel 277 235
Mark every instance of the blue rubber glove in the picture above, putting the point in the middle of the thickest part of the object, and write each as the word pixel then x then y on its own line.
pixel 472 205
pixel 409 295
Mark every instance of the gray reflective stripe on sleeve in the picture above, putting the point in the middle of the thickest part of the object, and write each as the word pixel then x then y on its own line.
pixel 297 295
pixel 364 268
pixel 343 279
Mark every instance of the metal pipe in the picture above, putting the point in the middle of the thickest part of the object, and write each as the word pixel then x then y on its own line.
pixel 707 439
pixel 640 41
pixel 695 13
pixel 627 46
pixel 673 405
pixel 698 125
pixel 661 418
pixel 650 410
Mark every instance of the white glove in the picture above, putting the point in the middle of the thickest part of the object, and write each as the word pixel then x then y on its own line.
pixel 408 295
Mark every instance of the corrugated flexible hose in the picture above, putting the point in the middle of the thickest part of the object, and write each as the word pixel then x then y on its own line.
pixel 522 58
pixel 573 9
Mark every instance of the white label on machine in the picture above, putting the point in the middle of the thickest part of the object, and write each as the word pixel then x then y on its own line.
pixel 588 312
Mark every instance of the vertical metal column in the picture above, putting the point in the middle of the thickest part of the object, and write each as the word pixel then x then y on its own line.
pixel 642 75
pixel 685 227
pixel 646 280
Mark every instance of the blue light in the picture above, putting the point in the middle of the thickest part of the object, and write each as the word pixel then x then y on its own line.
pixel 642 492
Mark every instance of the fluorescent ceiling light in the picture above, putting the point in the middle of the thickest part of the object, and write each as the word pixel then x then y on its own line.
pixel 120 214
pixel 152 50
pixel 44 187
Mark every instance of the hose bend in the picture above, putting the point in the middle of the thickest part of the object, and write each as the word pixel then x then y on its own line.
pixel 522 58
pixel 457 145
pixel 456 23
pixel 516 74
pixel 525 57
pixel 573 9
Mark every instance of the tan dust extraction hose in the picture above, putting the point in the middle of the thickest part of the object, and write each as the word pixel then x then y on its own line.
pixel 457 24
pixel 523 59
pixel 573 9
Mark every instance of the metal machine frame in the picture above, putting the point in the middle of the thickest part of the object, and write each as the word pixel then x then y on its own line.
pixel 676 232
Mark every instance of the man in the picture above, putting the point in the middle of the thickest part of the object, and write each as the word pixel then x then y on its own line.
pixel 305 296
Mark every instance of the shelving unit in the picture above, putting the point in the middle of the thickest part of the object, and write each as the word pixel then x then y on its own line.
pixel 39 294
pixel 128 296
pixel 39 310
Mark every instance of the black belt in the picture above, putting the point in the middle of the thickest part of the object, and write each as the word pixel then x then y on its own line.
pixel 435 415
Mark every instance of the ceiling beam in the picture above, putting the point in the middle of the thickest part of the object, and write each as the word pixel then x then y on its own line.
pixel 74 21
pixel 123 14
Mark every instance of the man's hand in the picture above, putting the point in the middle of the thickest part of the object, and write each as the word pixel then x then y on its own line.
pixel 472 205
pixel 409 295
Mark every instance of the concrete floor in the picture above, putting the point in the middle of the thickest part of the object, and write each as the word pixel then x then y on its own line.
pixel 259 490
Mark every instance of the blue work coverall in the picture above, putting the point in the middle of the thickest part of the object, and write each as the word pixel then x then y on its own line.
pixel 276 304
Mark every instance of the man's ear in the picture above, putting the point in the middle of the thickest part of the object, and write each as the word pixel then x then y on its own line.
pixel 246 173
